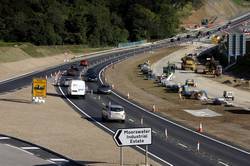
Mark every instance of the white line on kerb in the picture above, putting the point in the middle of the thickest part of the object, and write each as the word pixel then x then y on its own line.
pixel 205 136
pixel 3 138
pixel 182 145
pixel 58 160
pixel 220 162
pixel 30 148
pixel 84 113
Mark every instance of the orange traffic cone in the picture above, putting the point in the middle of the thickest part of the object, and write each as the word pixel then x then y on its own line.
pixel 128 95
pixel 153 108
pixel 200 128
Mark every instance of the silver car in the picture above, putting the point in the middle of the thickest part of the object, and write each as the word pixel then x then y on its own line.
pixel 113 112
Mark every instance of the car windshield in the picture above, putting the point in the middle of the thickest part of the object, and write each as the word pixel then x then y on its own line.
pixel 116 109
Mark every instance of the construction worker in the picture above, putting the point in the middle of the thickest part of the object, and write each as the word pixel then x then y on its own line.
pixel 180 91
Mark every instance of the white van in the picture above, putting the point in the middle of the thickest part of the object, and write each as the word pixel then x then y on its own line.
pixel 77 88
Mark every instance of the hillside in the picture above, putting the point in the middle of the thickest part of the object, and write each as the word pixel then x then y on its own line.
pixel 222 9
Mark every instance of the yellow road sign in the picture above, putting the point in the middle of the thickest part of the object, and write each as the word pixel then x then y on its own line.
pixel 39 87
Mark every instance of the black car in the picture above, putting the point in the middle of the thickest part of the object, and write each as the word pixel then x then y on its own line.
pixel 72 71
pixel 104 89
pixel 91 77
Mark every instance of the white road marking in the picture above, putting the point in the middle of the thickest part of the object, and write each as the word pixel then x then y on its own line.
pixel 51 161
pixel 220 162
pixel 131 120
pixel 147 111
pixel 58 160
pixel 19 149
pixel 154 131
pixel 182 145
pixel 3 138
pixel 103 104
pixel 30 148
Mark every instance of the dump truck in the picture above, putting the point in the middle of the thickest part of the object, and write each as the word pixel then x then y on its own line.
pixel 188 63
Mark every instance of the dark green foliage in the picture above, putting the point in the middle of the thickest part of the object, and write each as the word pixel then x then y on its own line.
pixel 91 22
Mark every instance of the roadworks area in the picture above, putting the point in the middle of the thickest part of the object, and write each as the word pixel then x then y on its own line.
pixel 232 126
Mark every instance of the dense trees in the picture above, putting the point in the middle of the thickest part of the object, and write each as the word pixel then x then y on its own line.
pixel 92 22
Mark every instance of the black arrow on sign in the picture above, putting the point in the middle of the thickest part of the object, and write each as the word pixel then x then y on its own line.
pixel 117 137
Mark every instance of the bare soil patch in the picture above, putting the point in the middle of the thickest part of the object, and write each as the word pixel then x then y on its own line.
pixel 126 78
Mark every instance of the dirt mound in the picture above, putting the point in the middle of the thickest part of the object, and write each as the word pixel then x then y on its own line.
pixel 222 10
pixel 10 54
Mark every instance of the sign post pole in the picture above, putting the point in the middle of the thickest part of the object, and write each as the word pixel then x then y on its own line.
pixel 121 156
pixel 146 156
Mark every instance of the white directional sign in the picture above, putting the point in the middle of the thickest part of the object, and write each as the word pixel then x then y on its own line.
pixel 134 136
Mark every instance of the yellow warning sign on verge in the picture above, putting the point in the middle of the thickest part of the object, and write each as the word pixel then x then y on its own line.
pixel 39 87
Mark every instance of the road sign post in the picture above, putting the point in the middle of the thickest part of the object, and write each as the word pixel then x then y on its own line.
pixel 146 155
pixel 121 156
pixel 133 137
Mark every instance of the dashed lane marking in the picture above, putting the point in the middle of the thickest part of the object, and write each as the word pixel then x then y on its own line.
pixel 19 149
pixel 131 120
pixel 220 162
pixel 184 146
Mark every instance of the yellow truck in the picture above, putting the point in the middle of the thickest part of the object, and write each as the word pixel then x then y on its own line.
pixel 188 63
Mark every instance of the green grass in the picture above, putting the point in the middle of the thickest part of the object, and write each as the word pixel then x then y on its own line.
pixel 14 51
pixel 242 2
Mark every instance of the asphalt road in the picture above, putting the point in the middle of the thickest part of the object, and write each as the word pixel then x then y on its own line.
pixel 180 146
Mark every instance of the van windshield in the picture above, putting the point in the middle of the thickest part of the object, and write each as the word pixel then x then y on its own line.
pixel 115 109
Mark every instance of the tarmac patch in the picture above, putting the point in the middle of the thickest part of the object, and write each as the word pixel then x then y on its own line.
pixel 203 113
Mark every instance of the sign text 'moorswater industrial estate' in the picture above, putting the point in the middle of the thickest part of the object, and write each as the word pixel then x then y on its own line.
pixel 134 136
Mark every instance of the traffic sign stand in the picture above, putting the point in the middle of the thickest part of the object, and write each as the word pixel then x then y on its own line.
pixel 146 156
pixel 121 156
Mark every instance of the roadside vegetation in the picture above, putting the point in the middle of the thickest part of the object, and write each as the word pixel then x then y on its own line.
pixel 242 2
pixel 90 22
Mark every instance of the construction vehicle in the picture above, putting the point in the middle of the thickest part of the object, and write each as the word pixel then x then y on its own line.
pixel 211 67
pixel 188 62
pixel 190 82
pixel 228 95
pixel 170 68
